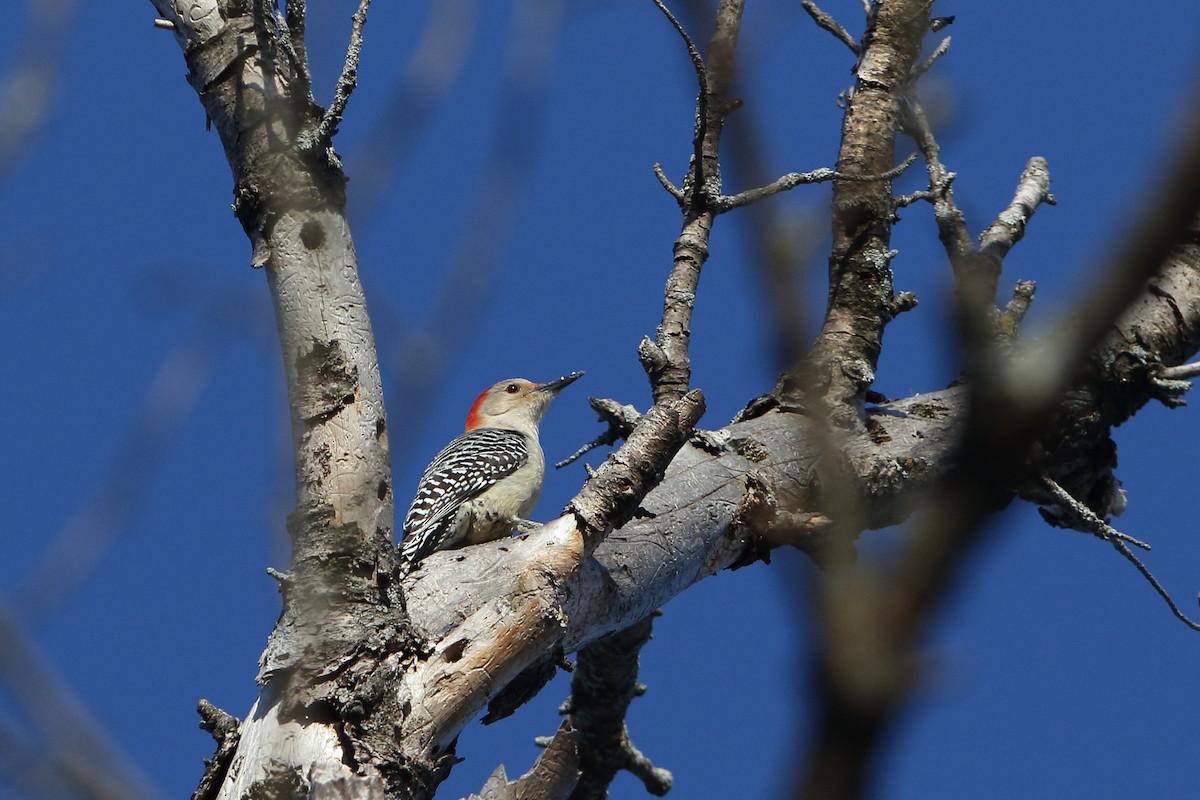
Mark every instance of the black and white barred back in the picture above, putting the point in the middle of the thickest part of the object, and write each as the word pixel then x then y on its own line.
pixel 468 465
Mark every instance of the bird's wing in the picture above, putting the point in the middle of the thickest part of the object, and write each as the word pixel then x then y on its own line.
pixel 468 465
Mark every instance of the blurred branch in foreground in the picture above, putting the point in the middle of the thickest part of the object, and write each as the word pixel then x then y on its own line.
pixel 29 85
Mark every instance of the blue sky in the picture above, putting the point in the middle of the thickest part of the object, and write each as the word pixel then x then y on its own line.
pixel 126 293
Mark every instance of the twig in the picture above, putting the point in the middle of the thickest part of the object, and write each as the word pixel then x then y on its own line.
pixel 921 195
pixel 977 269
pixel 621 419
pixel 671 188
pixel 658 781
pixel 952 226
pixel 604 439
pixel 285 35
pixel 791 180
pixel 701 124
pixel 1032 190
pixel 923 67
pixel 225 729
pixel 665 359
pixel 1019 304
pixel 1091 523
pixel 1181 372
pixel 1169 392
pixel 346 82
pixel 693 51
pixel 1096 526
pixel 830 24
pixel 297 24
pixel 611 497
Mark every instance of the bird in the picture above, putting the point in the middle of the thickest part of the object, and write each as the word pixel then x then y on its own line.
pixel 486 481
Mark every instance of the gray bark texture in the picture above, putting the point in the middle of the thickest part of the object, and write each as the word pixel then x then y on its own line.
pixel 370 674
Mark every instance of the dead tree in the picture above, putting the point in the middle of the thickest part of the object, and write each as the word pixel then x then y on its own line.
pixel 370 674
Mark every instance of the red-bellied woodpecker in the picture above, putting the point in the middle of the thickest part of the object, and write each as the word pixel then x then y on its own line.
pixel 487 480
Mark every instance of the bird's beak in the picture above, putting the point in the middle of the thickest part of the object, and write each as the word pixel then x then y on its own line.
pixel 554 387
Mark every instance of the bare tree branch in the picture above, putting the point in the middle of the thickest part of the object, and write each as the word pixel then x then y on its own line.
pixel 621 420
pixel 346 83
pixel 884 612
pixel 1033 189
pixel 370 676
pixel 225 728
pixel 939 51
pixel 553 777
pixel 603 686
pixel 830 24
pixel 1163 224
pixel 977 269
pixel 841 365
pixel 665 359
pixel 1181 372
pixel 340 580
pixel 296 19
pixel 793 179
pixel 612 496
pixel 1120 542
pixel 703 100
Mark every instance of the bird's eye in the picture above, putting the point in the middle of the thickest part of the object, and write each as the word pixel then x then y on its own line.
pixel 512 388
